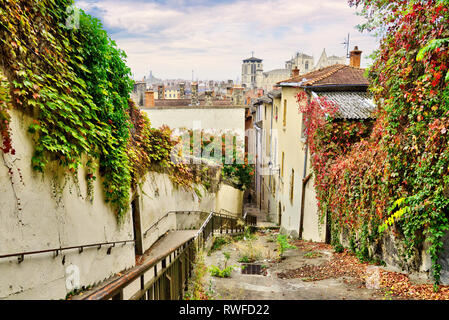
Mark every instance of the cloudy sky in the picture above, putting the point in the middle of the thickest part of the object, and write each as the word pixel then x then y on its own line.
pixel 174 37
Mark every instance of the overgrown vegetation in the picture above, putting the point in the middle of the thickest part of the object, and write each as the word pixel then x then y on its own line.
pixel 218 243
pixel 283 245
pixel 73 82
pixel 226 150
pixel 197 286
pixel 394 176
pixel 224 272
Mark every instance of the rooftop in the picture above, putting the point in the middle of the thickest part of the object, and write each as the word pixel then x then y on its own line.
pixel 252 59
pixel 186 104
pixel 277 71
pixel 338 74
pixel 351 105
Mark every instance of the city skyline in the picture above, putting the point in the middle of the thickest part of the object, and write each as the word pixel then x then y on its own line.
pixel 174 37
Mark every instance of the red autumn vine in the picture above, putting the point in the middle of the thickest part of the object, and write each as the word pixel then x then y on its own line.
pixel 401 168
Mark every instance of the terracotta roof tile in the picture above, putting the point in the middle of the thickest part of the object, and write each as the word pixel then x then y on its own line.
pixel 186 102
pixel 337 74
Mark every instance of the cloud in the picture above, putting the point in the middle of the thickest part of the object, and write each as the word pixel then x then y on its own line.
pixel 174 37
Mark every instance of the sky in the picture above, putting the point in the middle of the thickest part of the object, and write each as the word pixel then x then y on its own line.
pixel 173 37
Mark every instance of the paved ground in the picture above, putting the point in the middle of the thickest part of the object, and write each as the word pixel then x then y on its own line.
pixel 262 222
pixel 271 287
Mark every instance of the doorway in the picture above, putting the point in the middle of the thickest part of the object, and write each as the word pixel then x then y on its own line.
pixel 280 213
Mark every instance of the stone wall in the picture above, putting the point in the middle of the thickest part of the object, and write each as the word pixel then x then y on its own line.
pixel 160 199
pixel 390 249
pixel 37 213
pixel 44 211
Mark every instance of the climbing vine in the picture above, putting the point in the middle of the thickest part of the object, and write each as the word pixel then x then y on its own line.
pixel 151 149
pixel 227 150
pixel 397 177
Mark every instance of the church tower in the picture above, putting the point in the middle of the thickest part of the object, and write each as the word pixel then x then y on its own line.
pixel 252 69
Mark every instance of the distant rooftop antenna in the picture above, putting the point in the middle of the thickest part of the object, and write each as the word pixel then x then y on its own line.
pixel 346 44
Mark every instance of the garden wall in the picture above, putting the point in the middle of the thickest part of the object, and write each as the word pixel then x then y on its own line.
pixel 41 211
pixel 390 250
pixel 158 196
pixel 36 214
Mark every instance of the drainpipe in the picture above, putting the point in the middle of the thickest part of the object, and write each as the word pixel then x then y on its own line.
pixel 305 179
pixel 270 96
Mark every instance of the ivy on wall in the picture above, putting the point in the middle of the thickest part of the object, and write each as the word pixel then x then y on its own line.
pixel 397 178
pixel 75 85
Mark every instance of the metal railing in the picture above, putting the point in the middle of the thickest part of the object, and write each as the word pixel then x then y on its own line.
pixel 155 224
pixel 56 251
pixel 170 282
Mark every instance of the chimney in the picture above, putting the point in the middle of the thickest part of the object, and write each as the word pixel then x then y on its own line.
pixel 182 90
pixel 354 57
pixel 149 99
pixel 161 92
pixel 195 100
pixel 295 72
pixel 237 96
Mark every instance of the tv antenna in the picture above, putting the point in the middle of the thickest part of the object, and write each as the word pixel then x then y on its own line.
pixel 346 44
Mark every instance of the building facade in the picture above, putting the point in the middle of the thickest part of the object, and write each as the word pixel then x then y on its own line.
pixel 284 181
pixel 252 69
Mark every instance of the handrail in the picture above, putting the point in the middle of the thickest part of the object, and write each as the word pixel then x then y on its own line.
pixel 210 216
pixel 229 212
pixel 108 291
pixel 165 216
pixel 182 260
pixel 56 251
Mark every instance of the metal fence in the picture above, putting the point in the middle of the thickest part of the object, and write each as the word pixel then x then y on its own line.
pixel 176 265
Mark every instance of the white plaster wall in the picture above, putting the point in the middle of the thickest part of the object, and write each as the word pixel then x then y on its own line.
pixel 220 119
pixel 159 196
pixel 312 228
pixel 229 199
pixel 46 222
pixel 49 220
pixel 289 142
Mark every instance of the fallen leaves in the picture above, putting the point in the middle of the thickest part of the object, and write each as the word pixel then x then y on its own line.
pixel 346 265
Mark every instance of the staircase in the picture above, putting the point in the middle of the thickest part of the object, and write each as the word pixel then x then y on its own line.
pixel 262 221
pixel 163 271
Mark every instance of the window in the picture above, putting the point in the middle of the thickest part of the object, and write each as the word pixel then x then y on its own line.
pixel 307 65
pixel 285 113
pixel 282 165
pixel 292 184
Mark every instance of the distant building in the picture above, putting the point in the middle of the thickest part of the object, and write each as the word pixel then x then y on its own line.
pixel 303 62
pixel 326 61
pixel 270 78
pixel 151 80
pixel 253 76
pixel 209 113
pixel 252 69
